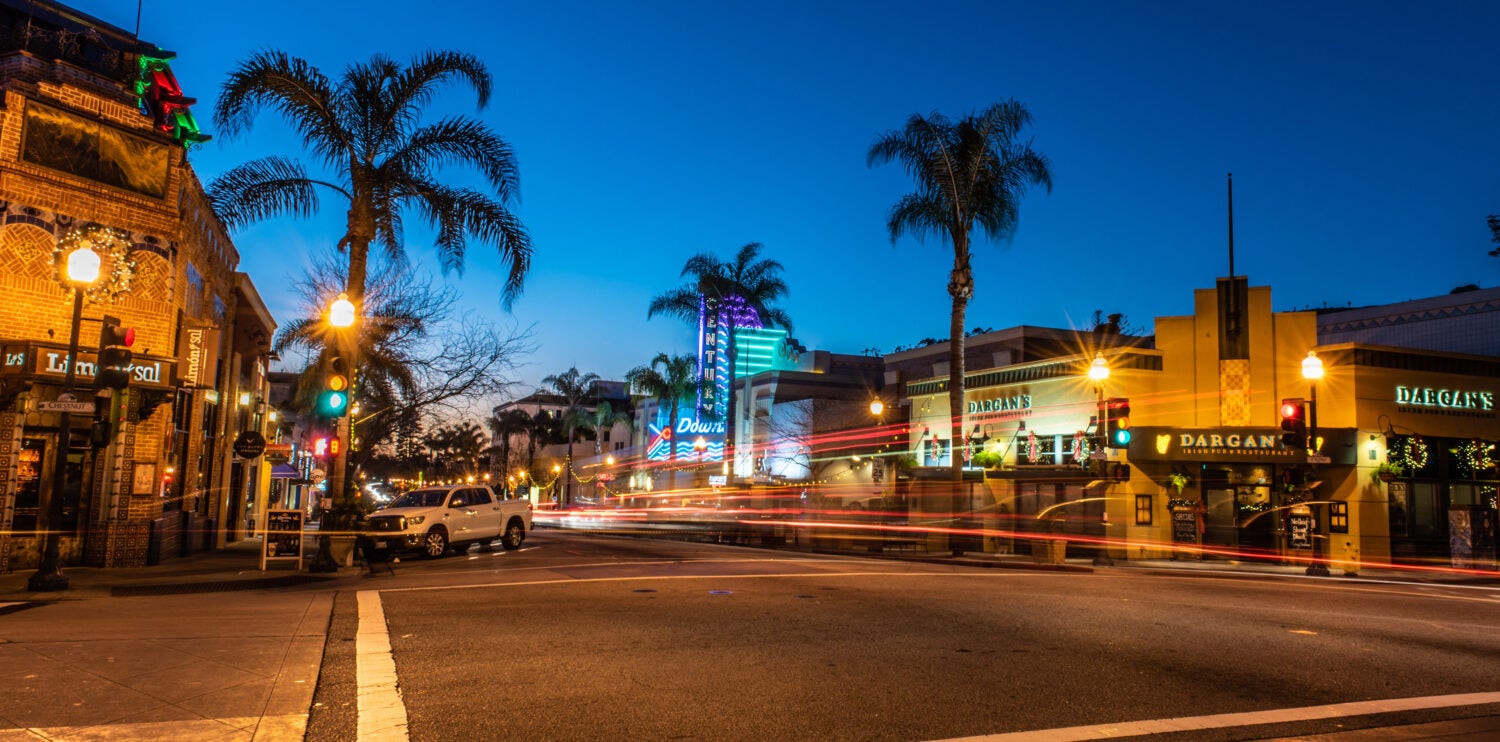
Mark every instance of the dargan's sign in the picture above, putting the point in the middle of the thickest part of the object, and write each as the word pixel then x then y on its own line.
pixel 1001 404
pixel 1232 444
pixel 1446 399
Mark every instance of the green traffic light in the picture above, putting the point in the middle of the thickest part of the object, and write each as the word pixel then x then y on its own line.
pixel 1122 438
pixel 333 403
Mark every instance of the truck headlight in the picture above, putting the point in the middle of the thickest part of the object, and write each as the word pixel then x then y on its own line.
pixel 416 520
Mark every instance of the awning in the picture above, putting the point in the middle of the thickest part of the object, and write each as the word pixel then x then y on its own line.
pixel 284 471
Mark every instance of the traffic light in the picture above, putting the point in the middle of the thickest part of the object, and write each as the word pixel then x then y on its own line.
pixel 112 367
pixel 1294 424
pixel 333 400
pixel 1117 422
pixel 325 447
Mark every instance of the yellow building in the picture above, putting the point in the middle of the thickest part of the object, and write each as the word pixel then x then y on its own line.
pixel 1207 472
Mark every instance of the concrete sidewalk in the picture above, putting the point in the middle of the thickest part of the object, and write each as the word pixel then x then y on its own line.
pixel 145 654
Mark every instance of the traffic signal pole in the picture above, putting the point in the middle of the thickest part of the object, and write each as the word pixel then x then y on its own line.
pixel 337 386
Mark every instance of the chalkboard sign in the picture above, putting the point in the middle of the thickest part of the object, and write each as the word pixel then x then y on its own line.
pixel 1299 531
pixel 1185 525
pixel 283 537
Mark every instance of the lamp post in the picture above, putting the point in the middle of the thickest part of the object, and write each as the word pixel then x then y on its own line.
pixel 82 272
pixel 1099 373
pixel 341 316
pixel 1312 370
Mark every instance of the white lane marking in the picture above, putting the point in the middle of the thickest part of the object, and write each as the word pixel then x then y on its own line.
pixel 382 715
pixel 640 578
pixel 1248 718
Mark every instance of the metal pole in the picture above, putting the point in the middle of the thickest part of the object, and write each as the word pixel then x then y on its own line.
pixel 49 576
pixel 324 561
pixel 1101 557
pixel 1316 568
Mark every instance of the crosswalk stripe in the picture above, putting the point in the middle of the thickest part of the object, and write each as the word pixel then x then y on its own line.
pixel 382 714
pixel 1248 718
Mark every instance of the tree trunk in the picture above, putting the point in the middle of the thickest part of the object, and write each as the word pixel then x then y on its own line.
pixel 567 470
pixel 961 288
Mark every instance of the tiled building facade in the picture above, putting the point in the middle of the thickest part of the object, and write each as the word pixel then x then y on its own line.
pixel 77 151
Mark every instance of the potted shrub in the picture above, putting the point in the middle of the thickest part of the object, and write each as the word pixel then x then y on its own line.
pixel 1387 472
pixel 1177 481
pixel 986 460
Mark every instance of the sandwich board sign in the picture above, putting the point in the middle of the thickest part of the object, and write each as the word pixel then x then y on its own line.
pixel 283 537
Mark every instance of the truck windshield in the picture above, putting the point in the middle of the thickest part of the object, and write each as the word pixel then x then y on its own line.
pixel 420 499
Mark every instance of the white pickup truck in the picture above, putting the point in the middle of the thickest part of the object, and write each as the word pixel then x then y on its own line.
pixel 435 519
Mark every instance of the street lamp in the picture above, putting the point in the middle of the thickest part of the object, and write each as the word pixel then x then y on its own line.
pixel 341 316
pixel 1312 370
pixel 82 272
pixel 1099 373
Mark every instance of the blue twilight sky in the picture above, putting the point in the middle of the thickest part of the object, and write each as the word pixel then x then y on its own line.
pixel 1362 136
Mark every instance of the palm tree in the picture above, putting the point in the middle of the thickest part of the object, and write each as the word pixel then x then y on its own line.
pixel 573 387
pixel 670 379
pixel 366 131
pixel 502 427
pixel 540 430
pixel 603 418
pixel 969 172
pixel 756 281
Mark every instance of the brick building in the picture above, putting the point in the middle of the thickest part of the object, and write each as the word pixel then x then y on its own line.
pixel 93 145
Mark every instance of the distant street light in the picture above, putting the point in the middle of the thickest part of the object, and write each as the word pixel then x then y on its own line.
pixel 1312 370
pixel 1099 373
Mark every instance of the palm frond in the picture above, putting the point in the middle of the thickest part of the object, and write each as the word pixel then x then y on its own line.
pixel 461 141
pixel 291 86
pixel 263 189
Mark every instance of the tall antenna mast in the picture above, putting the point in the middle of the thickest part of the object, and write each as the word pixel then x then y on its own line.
pixel 1231 225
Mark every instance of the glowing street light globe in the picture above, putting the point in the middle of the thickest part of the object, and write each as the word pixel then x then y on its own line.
pixel 83 265
pixel 341 312
pixel 1099 369
pixel 1312 367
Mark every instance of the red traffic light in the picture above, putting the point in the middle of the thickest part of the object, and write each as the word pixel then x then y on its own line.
pixel 1291 409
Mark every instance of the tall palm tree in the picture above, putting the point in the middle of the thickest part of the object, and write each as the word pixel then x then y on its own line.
pixel 670 379
pixel 366 131
pixel 755 280
pixel 970 172
pixel 574 387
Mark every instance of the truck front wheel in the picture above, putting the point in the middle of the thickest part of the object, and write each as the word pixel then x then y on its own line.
pixel 435 543
pixel 514 534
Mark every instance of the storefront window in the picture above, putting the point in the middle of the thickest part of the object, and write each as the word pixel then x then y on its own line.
pixel 1143 510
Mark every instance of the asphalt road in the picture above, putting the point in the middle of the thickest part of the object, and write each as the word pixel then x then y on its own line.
pixel 585 637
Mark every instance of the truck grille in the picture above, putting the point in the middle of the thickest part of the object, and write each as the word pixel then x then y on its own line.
pixel 388 523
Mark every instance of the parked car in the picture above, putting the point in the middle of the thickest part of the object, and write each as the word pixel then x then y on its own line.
pixel 434 519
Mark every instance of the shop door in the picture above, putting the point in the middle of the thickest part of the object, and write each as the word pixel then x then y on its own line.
pixel 1429 520
pixel 29 466
pixel 1221 526
pixel 1256 520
